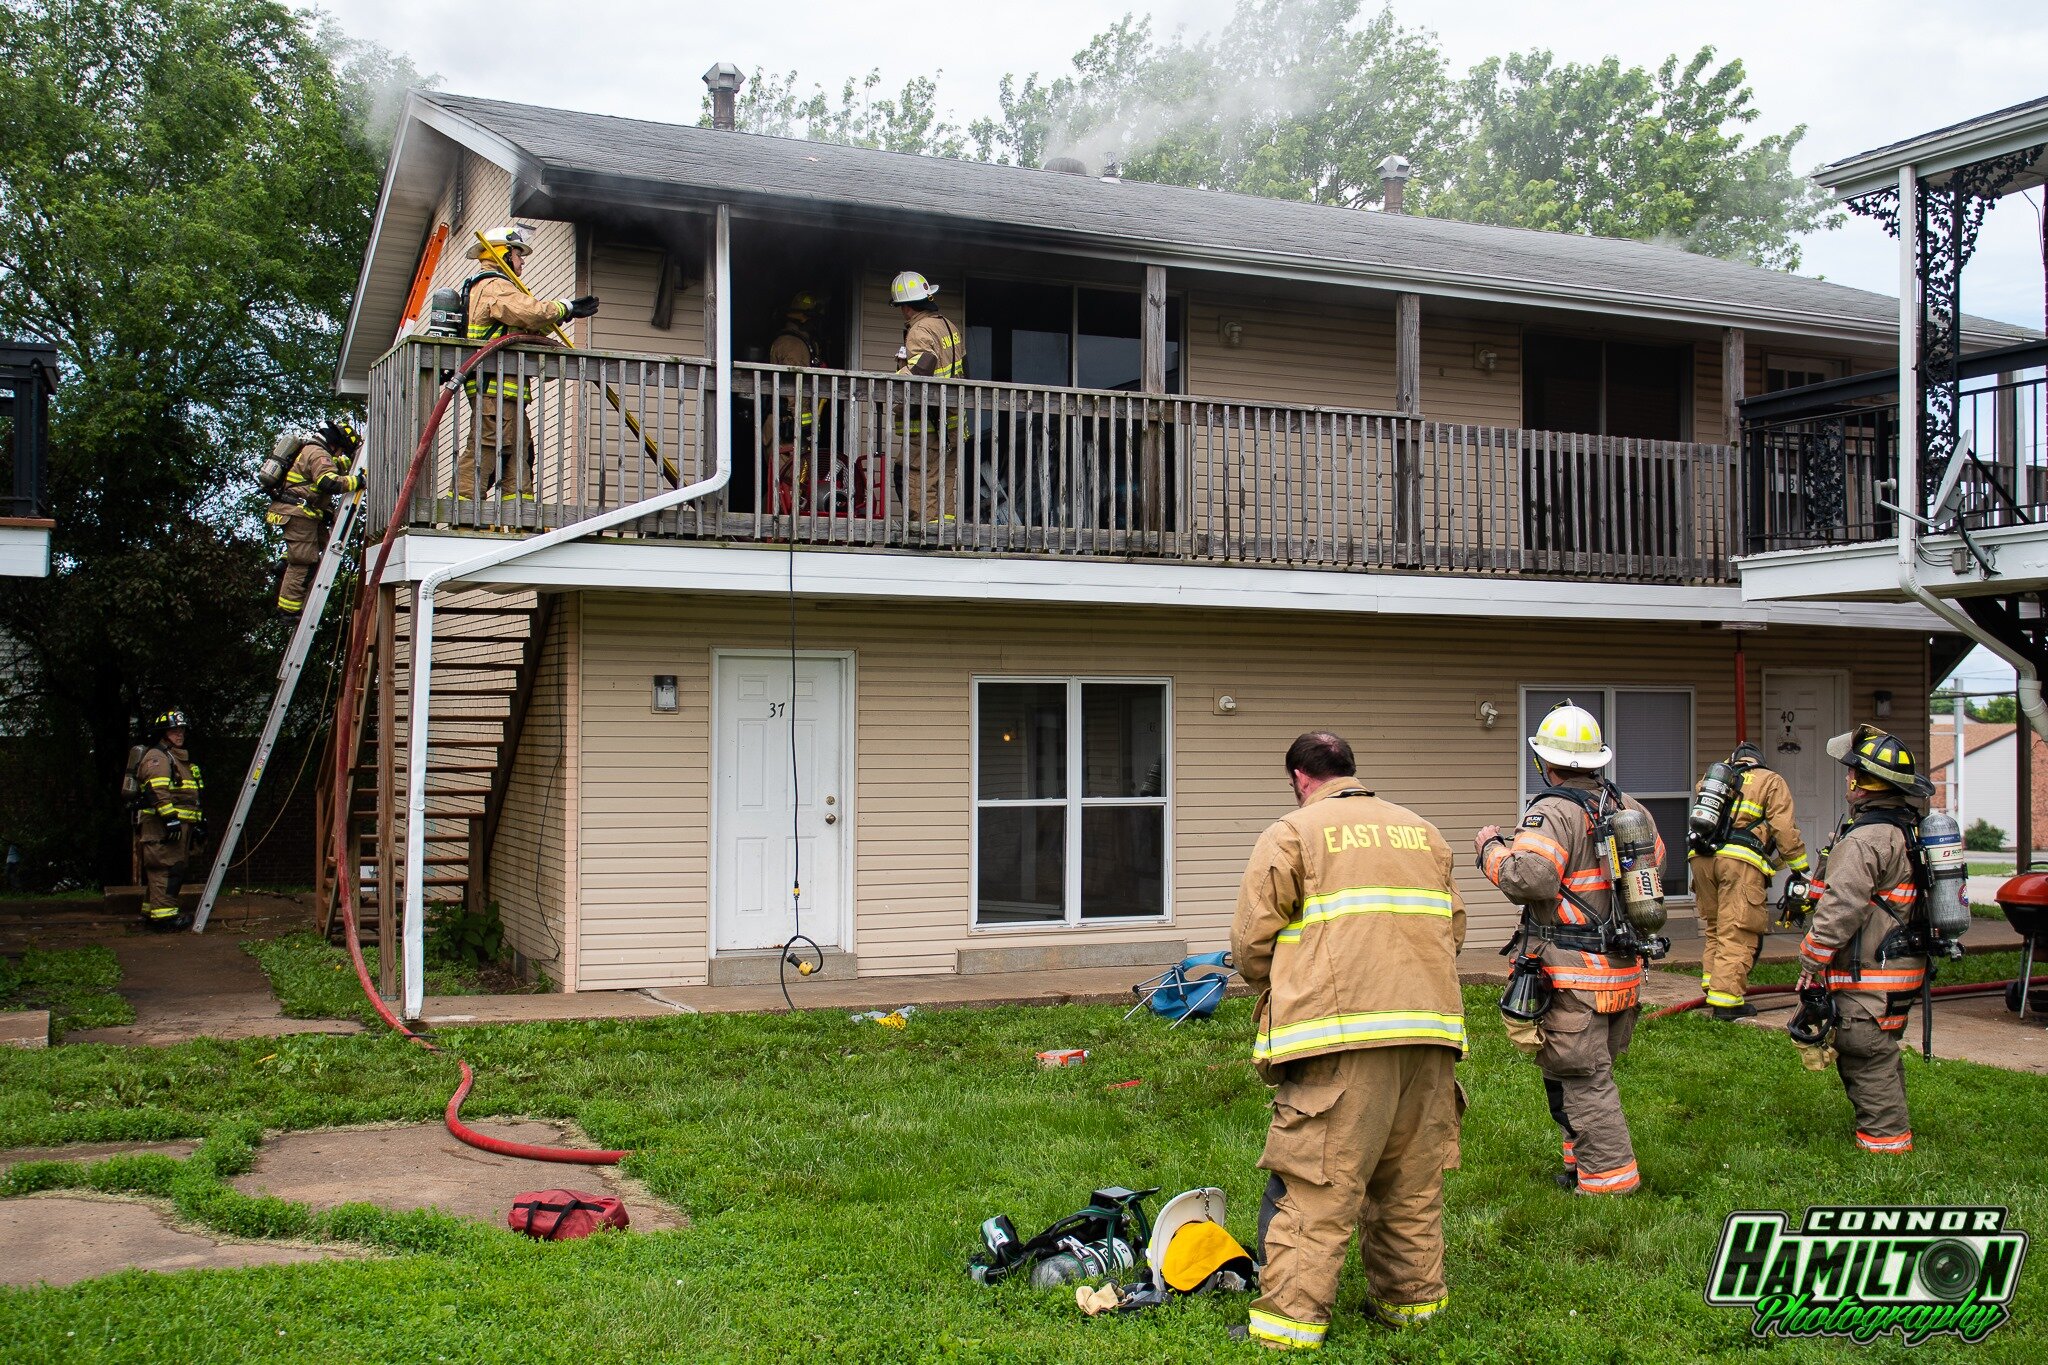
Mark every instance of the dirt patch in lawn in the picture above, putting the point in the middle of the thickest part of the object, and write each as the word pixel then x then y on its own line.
pixel 96 1151
pixel 63 1238
pixel 423 1165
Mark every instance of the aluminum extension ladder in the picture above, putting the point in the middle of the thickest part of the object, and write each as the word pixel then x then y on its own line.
pixel 288 673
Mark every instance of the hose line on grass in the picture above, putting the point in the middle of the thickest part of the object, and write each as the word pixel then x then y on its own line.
pixel 344 751
pixel 1939 993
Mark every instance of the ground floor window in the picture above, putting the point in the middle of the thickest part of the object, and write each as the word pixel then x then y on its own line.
pixel 1650 730
pixel 1070 800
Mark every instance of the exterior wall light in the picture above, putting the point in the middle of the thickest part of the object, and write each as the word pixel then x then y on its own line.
pixel 1485 358
pixel 1232 332
pixel 1488 714
pixel 1884 704
pixel 665 696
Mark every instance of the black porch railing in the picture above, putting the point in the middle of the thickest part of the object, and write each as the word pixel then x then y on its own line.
pixel 867 460
pixel 1820 462
pixel 28 375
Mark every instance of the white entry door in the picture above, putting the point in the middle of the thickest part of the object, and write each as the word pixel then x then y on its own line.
pixel 1802 712
pixel 777 828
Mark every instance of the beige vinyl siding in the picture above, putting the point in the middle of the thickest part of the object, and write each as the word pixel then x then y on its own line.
pixel 1333 354
pixel 1454 388
pixel 1406 693
pixel 530 872
pixel 626 278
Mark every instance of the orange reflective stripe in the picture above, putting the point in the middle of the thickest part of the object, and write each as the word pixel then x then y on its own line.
pixel 1595 978
pixel 1813 954
pixel 1878 979
pixel 1620 1180
pixel 1528 841
pixel 1496 854
pixel 1594 879
pixel 1871 1143
pixel 1571 914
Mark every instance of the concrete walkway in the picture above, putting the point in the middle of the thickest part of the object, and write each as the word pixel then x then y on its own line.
pixel 186 986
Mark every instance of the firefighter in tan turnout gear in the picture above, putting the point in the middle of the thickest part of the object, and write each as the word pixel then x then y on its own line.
pixel 304 506
pixel 497 453
pixel 1349 922
pixel 933 348
pixel 168 788
pixel 1730 880
pixel 1555 868
pixel 1858 945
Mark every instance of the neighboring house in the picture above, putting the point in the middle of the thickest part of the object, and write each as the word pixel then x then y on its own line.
pixel 1235 468
pixel 1990 772
pixel 28 376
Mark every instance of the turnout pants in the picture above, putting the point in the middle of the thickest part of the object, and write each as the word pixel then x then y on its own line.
pixel 304 537
pixel 931 473
pixel 1873 1071
pixel 164 863
pixel 497 451
pixel 1579 1048
pixel 1359 1144
pixel 1734 920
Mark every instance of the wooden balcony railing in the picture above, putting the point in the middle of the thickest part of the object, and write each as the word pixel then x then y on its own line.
pixel 828 458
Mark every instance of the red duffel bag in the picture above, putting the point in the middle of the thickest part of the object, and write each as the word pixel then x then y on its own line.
pixel 564 1215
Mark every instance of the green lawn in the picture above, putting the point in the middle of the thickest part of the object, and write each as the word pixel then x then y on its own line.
pixel 835 1174
pixel 313 978
pixel 76 985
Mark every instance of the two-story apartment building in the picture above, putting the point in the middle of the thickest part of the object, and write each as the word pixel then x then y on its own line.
pixel 1222 469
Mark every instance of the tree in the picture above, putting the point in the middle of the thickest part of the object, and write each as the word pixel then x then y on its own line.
pixel 1295 100
pixel 1623 152
pixel 907 122
pixel 1994 710
pixel 185 194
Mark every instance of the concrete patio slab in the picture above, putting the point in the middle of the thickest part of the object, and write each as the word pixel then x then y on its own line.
pixel 61 1239
pixel 97 1151
pixel 25 1028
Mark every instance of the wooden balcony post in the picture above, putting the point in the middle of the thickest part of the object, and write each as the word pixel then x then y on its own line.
pixel 1152 333
pixel 1407 443
pixel 1734 377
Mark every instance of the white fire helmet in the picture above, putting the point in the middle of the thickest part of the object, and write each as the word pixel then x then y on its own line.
pixel 911 287
pixel 1569 737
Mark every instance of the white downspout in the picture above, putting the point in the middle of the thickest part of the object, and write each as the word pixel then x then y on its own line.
pixel 423 620
pixel 1909 494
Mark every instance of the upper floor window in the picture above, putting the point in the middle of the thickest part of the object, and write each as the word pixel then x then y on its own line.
pixel 1024 332
pixel 1605 388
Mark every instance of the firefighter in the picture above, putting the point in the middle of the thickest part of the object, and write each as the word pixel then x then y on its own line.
pixel 1554 869
pixel 1349 923
pixel 502 438
pixel 791 425
pixel 304 507
pixel 1730 881
pixel 933 348
pixel 167 824
pixel 794 345
pixel 1858 945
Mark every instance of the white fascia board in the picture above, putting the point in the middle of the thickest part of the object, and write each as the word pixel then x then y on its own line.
pixel 24 552
pixel 653 566
pixel 1937 154
pixel 1869 571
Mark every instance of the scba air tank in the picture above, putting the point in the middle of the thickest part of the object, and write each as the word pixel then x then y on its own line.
pixel 1948 869
pixel 1706 824
pixel 1638 879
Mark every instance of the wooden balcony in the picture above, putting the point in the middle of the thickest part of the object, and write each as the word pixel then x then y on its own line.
pixel 834 459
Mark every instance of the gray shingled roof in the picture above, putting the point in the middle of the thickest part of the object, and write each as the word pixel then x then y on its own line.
pixel 577 154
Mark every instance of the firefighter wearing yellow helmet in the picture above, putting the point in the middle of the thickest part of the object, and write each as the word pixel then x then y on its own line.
pixel 497 455
pixel 303 508
pixel 1860 945
pixel 1730 879
pixel 168 829
pixel 933 348
pixel 1555 867
pixel 795 346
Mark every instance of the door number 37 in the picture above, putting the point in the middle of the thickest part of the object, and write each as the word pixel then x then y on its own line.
pixel 776 708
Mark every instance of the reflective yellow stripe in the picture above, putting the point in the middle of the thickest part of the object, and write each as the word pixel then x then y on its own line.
pixel 1744 855
pixel 1798 864
pixel 1749 808
pixel 1413 1312
pixel 1376 1026
pixel 1361 900
pixel 1723 999
pixel 1273 1327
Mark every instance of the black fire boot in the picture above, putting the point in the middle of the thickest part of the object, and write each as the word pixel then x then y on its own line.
pixel 1728 1014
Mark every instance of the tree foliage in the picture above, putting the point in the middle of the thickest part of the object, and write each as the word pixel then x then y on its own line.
pixel 1623 152
pixel 1302 99
pixel 1994 710
pixel 185 192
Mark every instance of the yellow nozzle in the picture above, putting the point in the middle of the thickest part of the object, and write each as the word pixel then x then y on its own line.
pixel 805 969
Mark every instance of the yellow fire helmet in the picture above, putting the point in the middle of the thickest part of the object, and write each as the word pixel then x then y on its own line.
pixel 1569 737
pixel 1189 1243
pixel 911 287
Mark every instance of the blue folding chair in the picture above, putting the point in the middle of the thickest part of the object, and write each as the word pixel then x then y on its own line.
pixel 1180 995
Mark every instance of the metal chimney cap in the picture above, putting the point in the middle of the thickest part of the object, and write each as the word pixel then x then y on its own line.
pixel 1396 167
pixel 724 76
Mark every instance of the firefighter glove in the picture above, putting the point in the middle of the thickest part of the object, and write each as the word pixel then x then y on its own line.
pixel 582 306
pixel 173 825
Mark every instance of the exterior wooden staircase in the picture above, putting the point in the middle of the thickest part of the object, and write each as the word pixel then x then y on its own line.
pixel 487 646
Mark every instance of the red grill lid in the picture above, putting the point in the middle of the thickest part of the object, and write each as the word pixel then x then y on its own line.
pixel 2029 890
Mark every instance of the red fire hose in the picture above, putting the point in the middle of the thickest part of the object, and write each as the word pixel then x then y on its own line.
pixel 1938 993
pixel 344 752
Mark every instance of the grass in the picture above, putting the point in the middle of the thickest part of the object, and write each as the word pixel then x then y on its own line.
pixel 313 978
pixel 835 1175
pixel 76 985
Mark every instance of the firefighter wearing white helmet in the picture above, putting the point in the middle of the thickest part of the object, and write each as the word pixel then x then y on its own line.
pixel 933 348
pixel 498 454
pixel 1555 868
